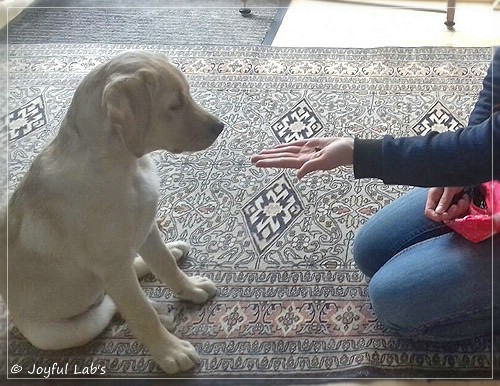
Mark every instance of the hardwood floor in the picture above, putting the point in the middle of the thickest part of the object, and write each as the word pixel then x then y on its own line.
pixel 405 23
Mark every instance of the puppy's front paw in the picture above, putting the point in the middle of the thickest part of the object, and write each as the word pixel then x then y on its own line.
pixel 198 290
pixel 176 355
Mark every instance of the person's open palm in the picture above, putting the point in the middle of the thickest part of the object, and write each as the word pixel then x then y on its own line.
pixel 307 155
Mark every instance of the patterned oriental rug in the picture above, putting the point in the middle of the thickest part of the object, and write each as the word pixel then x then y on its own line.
pixel 290 301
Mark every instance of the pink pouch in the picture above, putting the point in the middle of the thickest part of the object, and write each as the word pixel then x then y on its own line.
pixel 478 224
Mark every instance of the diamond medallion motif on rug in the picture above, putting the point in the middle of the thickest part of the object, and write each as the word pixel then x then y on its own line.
pixel 301 122
pixel 28 118
pixel 438 118
pixel 271 212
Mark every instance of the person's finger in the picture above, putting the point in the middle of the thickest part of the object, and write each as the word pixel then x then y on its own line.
pixel 445 201
pixel 291 163
pixel 457 210
pixel 450 213
pixel 259 157
pixel 300 143
pixel 432 215
pixel 310 166
pixel 285 149
pixel 463 205
pixel 433 197
pixel 282 154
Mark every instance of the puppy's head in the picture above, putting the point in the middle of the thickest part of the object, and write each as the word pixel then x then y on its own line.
pixel 148 104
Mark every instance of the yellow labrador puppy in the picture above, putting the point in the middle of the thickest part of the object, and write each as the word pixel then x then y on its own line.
pixel 86 209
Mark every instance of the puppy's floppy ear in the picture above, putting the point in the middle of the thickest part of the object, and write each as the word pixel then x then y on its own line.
pixel 127 100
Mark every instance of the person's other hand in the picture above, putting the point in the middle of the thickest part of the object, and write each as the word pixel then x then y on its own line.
pixel 308 155
pixel 446 203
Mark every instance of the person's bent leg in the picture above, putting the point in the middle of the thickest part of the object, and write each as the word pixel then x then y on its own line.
pixel 438 289
pixel 393 228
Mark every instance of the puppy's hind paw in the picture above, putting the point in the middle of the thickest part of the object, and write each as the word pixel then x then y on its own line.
pixel 141 268
pixel 167 321
pixel 179 249
pixel 166 318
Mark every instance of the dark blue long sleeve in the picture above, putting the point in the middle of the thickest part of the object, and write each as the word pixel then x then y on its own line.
pixel 459 158
pixel 489 95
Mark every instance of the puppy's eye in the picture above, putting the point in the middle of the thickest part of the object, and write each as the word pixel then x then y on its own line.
pixel 176 107
pixel 178 104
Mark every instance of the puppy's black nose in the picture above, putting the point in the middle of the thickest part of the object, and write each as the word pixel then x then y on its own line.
pixel 217 127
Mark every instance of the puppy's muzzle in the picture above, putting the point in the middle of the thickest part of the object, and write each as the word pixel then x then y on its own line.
pixel 217 128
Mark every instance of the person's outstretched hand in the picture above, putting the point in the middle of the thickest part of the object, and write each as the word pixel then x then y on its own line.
pixel 446 203
pixel 308 155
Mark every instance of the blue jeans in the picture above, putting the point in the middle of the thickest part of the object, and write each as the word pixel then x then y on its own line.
pixel 427 282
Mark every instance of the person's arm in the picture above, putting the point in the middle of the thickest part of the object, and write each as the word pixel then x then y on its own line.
pixel 446 203
pixel 489 95
pixel 446 159
pixel 456 158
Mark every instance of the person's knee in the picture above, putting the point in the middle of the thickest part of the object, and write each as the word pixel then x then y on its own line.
pixel 363 253
pixel 389 305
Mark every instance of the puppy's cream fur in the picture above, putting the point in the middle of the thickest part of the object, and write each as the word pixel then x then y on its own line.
pixel 86 209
